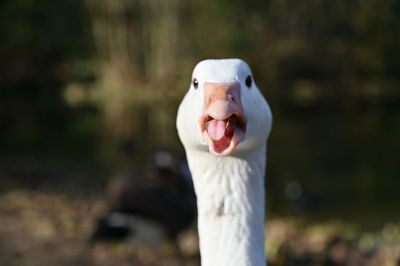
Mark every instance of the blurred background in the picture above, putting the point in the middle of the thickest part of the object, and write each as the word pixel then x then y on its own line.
pixel 89 91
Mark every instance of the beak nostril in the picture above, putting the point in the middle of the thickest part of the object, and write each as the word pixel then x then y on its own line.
pixel 231 98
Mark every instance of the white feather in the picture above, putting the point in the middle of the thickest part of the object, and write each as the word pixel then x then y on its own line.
pixel 230 190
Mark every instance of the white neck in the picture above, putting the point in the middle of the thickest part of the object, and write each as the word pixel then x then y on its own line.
pixel 230 199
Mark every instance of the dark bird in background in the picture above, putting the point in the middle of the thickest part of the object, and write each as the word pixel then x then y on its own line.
pixel 151 203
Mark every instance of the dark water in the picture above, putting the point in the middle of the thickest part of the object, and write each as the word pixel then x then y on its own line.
pixel 324 160
pixel 343 161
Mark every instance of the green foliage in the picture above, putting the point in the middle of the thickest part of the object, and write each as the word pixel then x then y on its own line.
pixel 41 40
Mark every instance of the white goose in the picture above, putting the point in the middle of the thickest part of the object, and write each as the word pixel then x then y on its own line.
pixel 223 123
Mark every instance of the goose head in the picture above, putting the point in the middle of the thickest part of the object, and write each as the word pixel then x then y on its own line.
pixel 223 111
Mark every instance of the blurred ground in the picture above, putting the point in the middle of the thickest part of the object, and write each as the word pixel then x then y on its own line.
pixel 48 229
pixel 43 228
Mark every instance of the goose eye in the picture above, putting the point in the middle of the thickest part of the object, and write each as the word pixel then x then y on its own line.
pixel 195 83
pixel 248 81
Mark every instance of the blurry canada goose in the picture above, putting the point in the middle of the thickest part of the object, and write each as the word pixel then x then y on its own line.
pixel 149 204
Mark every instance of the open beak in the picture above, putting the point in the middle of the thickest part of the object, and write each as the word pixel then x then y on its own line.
pixel 222 122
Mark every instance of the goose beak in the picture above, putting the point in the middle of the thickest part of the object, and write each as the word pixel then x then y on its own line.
pixel 222 122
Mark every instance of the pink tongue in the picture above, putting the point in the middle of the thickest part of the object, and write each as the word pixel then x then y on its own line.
pixel 216 129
